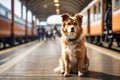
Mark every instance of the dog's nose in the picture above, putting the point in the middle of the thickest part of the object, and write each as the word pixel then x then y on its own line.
pixel 72 29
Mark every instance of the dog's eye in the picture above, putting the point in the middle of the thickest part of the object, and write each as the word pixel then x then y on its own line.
pixel 75 23
pixel 68 23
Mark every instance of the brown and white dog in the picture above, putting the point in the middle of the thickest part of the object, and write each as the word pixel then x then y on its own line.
pixel 73 58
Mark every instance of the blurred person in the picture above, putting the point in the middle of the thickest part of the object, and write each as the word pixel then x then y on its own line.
pixel 39 33
pixel 50 33
pixel 42 32
pixel 108 20
pixel 54 31
pixel 46 34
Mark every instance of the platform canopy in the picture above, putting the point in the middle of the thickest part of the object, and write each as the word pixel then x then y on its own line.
pixel 45 8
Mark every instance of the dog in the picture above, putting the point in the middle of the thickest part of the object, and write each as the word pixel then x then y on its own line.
pixel 73 57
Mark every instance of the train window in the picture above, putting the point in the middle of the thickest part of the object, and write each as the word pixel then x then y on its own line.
pixel 19 20
pixel 37 21
pixel 30 16
pixel 24 12
pixel 95 12
pixel 29 25
pixel 6 4
pixel 116 4
pixel 16 19
pixel 99 10
pixel 9 15
pixel 84 18
pixel 17 7
pixel 2 12
pixel 34 18
pixel 91 14
pixel 5 12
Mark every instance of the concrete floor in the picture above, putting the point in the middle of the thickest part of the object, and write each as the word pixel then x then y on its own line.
pixel 39 64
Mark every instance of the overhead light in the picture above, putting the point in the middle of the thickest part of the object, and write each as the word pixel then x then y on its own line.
pixel 58 11
pixel 57 4
pixel 56 1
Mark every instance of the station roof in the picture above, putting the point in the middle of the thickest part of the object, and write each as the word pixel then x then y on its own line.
pixel 44 8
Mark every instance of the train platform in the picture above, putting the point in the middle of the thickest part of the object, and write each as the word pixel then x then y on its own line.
pixel 36 61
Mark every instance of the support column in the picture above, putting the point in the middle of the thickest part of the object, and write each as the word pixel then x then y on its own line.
pixel 88 21
pixel 26 26
pixel 12 37
pixel 32 26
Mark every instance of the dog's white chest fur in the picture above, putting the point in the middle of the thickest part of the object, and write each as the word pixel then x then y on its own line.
pixel 71 52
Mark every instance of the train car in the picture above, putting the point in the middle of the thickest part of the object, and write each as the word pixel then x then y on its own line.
pixel 20 35
pixel 84 23
pixel 116 20
pixel 94 22
pixel 5 23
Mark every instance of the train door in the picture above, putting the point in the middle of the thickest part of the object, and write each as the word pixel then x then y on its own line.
pixel 107 19
pixel 107 14
pixel 109 9
pixel 105 4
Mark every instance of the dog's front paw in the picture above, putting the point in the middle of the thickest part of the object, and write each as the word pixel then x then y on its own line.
pixel 85 69
pixel 67 75
pixel 80 74
pixel 62 71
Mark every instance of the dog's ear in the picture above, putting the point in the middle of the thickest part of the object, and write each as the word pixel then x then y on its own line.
pixel 65 16
pixel 79 17
pixel 79 20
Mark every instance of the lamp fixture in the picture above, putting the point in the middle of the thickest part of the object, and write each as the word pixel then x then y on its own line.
pixel 57 4
pixel 56 1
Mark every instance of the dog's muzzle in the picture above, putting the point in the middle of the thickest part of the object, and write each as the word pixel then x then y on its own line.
pixel 72 29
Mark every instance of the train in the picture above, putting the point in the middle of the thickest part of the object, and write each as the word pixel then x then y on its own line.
pixel 93 24
pixel 21 33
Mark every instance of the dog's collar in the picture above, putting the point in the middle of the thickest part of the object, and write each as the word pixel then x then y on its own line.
pixel 72 40
pixel 75 39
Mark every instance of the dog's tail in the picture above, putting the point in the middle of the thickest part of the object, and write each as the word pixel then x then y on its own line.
pixel 57 69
